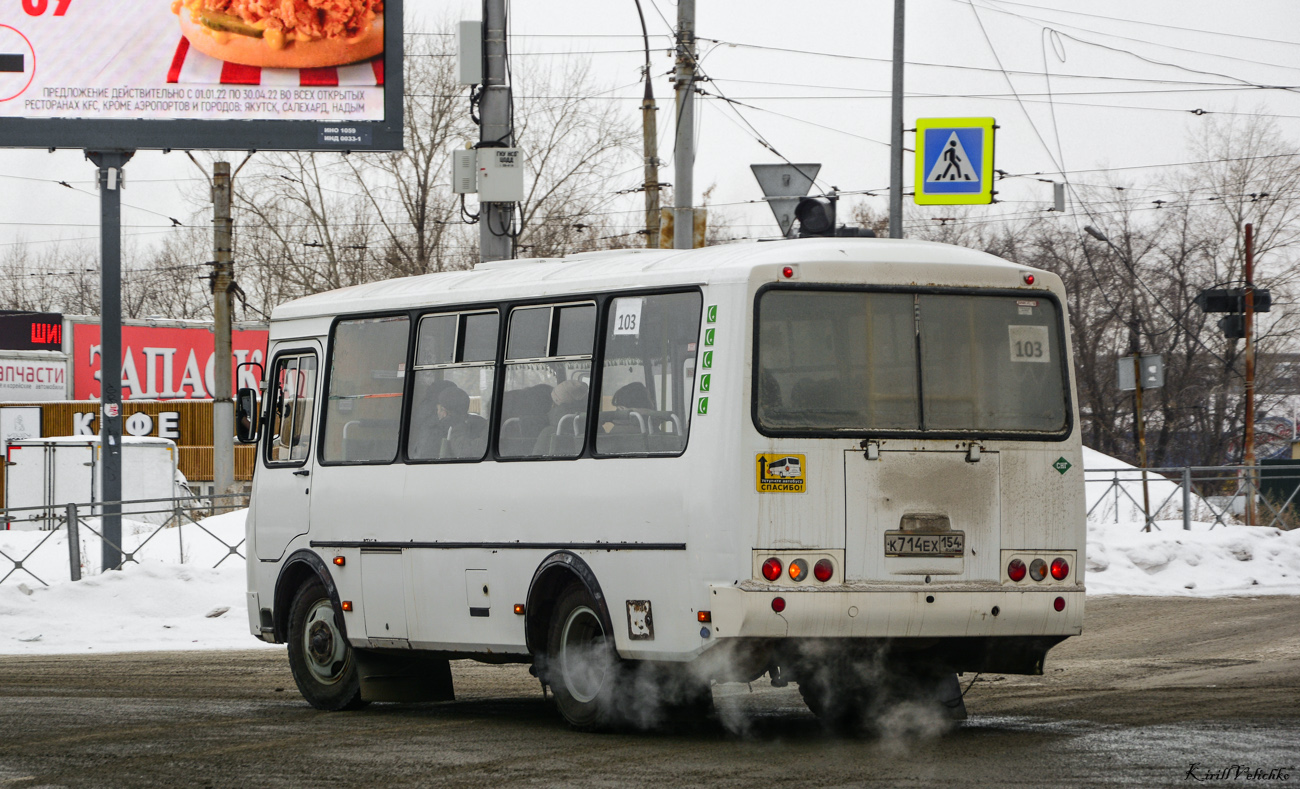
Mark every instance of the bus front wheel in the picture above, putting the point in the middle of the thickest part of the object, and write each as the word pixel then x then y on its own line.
pixel 582 666
pixel 320 658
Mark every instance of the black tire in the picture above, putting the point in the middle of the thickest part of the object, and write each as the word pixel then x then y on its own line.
pixel 321 659
pixel 581 664
pixel 842 702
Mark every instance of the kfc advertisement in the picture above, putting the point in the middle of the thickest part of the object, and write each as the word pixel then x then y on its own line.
pixel 163 363
pixel 310 60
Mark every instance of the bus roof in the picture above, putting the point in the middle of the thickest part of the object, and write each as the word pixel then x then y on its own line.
pixel 593 272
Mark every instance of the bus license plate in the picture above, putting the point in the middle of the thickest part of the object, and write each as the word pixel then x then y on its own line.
pixel 901 543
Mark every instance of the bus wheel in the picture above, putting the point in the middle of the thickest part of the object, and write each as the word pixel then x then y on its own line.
pixel 320 657
pixel 582 667
pixel 841 702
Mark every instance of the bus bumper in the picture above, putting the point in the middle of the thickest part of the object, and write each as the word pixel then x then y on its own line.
pixel 747 612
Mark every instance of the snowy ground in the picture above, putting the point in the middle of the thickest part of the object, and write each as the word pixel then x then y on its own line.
pixel 178 597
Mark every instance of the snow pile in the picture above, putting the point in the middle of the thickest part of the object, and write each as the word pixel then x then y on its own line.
pixel 159 604
pixel 1203 562
pixel 1208 561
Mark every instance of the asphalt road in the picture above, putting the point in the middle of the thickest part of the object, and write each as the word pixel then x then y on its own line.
pixel 1153 687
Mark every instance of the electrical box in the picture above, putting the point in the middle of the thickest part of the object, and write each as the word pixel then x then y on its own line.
pixel 500 175
pixel 464 171
pixel 469 53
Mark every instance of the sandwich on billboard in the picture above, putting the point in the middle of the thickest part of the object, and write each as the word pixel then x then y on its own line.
pixel 212 74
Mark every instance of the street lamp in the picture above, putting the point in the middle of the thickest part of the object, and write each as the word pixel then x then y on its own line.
pixel 1135 330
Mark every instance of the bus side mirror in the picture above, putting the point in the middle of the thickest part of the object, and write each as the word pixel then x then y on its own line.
pixel 247 416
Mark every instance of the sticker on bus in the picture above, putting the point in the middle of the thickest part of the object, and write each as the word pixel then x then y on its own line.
pixel 781 473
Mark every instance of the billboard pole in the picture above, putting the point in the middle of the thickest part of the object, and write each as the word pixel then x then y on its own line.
pixel 110 321
pixel 223 407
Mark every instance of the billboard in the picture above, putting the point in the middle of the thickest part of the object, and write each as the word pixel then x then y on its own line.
pixel 213 74
pixel 27 380
pixel 163 362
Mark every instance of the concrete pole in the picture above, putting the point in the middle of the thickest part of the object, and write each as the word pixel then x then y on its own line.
pixel 496 130
pixel 896 130
pixel 110 348
pixel 684 150
pixel 650 142
pixel 223 405
pixel 1248 459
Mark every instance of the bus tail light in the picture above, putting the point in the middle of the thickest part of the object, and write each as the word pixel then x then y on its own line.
pixel 1038 569
pixel 798 570
pixel 823 570
pixel 1060 569
pixel 772 569
pixel 778 604
pixel 1059 604
pixel 1016 570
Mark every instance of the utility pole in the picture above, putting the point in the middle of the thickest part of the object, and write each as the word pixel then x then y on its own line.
pixel 496 130
pixel 223 280
pixel 110 351
pixel 896 131
pixel 1248 459
pixel 684 151
pixel 650 141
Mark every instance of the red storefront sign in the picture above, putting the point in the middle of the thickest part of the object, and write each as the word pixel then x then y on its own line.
pixel 162 363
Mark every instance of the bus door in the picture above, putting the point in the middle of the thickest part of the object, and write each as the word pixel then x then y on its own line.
pixel 284 481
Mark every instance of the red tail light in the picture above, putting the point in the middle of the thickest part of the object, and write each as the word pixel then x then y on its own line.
pixel 778 604
pixel 1016 570
pixel 823 570
pixel 1059 604
pixel 1060 569
pixel 772 569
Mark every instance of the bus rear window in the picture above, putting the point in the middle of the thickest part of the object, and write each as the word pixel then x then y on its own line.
pixel 864 362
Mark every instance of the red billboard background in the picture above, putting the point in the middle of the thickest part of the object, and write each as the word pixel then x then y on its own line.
pixel 162 363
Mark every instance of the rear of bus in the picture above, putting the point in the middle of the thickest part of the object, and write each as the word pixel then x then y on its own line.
pixel 917 484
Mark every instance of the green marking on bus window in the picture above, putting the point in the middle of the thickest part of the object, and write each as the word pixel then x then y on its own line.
pixel 708 336
pixel 707 361
pixel 702 406
pixel 712 314
pixel 705 382
pixel 1062 465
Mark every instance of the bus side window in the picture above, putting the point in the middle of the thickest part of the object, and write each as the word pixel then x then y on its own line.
pixel 455 371
pixel 363 412
pixel 648 378
pixel 292 404
pixel 547 380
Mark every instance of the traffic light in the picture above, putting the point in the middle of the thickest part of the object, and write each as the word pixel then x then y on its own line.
pixel 1233 302
pixel 816 217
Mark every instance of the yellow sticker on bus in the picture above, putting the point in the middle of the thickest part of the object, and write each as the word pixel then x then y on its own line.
pixel 776 473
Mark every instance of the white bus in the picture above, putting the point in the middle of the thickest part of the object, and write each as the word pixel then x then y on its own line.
pixel 838 462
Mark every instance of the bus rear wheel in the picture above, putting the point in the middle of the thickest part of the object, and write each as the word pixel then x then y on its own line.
pixel 582 667
pixel 320 658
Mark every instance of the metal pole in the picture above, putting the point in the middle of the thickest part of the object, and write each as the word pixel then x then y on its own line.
pixel 496 130
pixel 684 150
pixel 74 543
pixel 110 337
pixel 223 405
pixel 1249 455
pixel 1187 498
pixel 896 131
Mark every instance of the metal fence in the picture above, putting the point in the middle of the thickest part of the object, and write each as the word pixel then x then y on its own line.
pixel 152 519
pixel 1218 495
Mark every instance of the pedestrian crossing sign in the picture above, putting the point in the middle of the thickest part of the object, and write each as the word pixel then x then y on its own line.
pixel 954 161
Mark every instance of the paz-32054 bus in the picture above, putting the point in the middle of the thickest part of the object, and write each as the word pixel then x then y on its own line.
pixel 838 462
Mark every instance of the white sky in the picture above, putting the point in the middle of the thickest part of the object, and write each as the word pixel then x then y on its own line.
pixel 1137 115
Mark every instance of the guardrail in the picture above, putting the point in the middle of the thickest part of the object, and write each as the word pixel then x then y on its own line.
pixel 149 518
pixel 1204 493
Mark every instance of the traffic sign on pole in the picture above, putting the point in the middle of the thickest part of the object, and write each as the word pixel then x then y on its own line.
pixel 783 185
pixel 954 161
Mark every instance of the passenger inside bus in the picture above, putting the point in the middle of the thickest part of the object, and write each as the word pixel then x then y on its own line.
pixel 565 427
pixel 426 438
pixel 464 435
pixel 524 418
